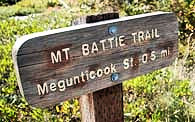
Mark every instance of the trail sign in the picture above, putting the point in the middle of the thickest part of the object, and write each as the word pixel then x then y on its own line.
pixel 60 64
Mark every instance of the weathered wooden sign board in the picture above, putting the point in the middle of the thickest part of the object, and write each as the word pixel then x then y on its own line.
pixel 60 64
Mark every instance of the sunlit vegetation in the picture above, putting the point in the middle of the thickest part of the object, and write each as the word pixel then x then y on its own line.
pixel 163 95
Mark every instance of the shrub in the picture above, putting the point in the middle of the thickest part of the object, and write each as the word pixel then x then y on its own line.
pixel 52 3
pixel 185 12
pixel 157 97
pixel 8 2
pixel 26 7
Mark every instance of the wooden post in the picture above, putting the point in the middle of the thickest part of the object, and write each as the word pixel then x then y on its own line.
pixel 105 105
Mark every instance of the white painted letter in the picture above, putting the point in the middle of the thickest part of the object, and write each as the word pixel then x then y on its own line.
pixel 61 85
pixel 164 53
pixel 92 75
pixel 56 58
pixel 134 34
pixel 153 56
pixel 145 58
pixel 106 70
pixel 121 41
pixel 99 73
pixel 44 90
pixel 126 63
pixel 141 36
pixel 85 49
pixel 76 79
pixel 131 61
pixel 83 77
pixel 103 44
pixel 156 33
pixel 94 47
pixel 52 87
pixel 69 82
pixel 113 68
pixel 66 52
pixel 148 35
pixel 110 40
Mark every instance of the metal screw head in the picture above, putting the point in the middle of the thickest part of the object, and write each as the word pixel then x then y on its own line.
pixel 115 77
pixel 112 30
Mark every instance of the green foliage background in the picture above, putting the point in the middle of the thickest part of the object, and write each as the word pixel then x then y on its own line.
pixel 163 95
pixel 8 2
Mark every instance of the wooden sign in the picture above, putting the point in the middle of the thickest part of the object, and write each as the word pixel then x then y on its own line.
pixel 60 64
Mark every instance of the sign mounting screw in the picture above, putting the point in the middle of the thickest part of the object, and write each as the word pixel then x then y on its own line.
pixel 112 30
pixel 115 77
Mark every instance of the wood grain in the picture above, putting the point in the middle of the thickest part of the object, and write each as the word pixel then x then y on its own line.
pixel 31 55
pixel 105 105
